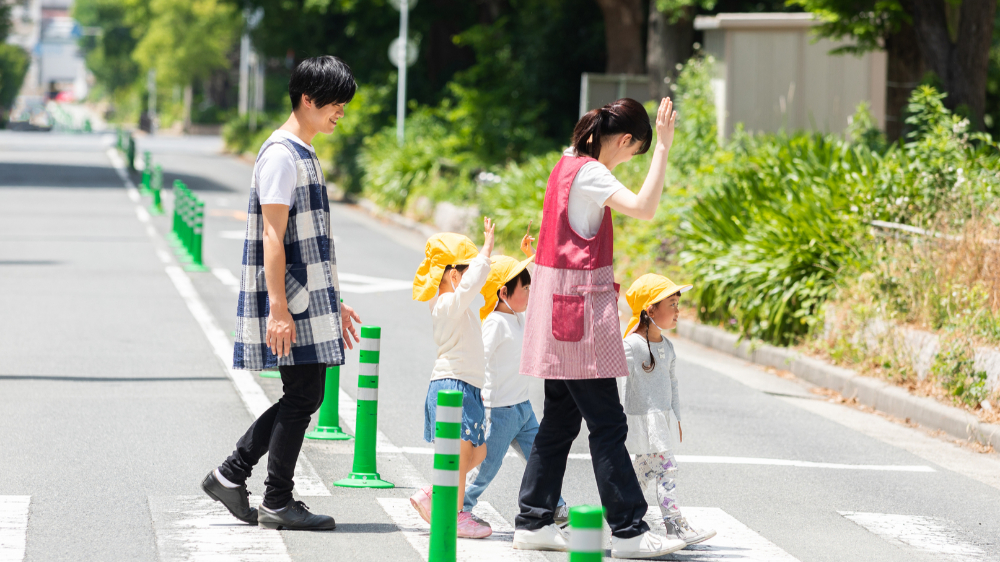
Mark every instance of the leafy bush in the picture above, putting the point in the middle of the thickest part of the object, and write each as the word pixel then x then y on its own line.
pixel 954 369
pixel 238 137
pixel 771 230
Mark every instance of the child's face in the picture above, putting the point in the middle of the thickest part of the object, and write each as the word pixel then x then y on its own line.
pixel 665 312
pixel 518 301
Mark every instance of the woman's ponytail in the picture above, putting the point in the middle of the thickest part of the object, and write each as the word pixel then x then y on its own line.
pixel 625 116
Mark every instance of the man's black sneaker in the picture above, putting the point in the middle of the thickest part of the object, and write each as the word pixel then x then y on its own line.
pixel 235 499
pixel 296 517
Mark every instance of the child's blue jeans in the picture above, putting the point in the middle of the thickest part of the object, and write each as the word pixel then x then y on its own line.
pixel 510 425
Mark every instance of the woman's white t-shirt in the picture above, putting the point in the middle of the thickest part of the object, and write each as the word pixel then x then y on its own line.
pixel 276 171
pixel 591 188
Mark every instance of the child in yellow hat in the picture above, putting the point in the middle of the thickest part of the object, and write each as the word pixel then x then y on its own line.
pixel 450 278
pixel 510 418
pixel 649 394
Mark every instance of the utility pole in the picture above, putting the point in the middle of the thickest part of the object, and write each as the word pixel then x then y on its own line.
pixel 252 19
pixel 402 53
pixel 151 101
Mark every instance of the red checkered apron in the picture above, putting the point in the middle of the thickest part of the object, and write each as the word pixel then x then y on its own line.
pixel 572 329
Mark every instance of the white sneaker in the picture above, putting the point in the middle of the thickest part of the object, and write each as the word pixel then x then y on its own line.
pixel 680 529
pixel 646 545
pixel 549 537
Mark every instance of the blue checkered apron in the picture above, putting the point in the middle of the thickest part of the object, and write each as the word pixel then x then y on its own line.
pixel 311 284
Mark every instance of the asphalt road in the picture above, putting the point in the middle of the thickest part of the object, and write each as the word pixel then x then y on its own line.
pixel 114 402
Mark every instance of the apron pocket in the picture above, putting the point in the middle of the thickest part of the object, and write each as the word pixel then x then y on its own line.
pixel 567 317
pixel 296 292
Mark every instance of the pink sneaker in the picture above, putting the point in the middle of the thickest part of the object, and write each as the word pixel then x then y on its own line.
pixel 421 501
pixel 469 528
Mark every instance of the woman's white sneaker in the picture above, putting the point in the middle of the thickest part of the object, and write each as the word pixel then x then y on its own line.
pixel 549 537
pixel 646 545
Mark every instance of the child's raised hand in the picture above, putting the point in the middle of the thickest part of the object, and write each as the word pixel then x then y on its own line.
pixel 488 232
pixel 526 242
pixel 665 119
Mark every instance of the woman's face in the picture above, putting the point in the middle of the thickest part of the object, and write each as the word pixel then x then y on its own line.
pixel 623 148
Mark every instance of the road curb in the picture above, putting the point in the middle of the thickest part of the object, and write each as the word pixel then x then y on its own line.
pixel 877 394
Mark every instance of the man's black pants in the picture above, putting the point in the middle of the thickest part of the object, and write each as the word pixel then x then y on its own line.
pixel 567 402
pixel 279 431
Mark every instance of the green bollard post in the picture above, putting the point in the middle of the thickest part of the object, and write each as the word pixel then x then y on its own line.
pixel 328 426
pixel 364 473
pixel 147 173
pixel 172 238
pixel 197 228
pixel 130 153
pixel 586 534
pixel 156 209
pixel 444 499
pixel 270 375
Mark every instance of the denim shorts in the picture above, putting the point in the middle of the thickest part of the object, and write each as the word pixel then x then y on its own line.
pixel 473 411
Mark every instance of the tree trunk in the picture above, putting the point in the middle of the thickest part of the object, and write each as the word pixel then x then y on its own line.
pixel 961 65
pixel 667 45
pixel 623 21
pixel 905 70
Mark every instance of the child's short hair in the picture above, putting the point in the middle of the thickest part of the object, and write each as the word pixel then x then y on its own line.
pixel 458 268
pixel 524 278
pixel 325 79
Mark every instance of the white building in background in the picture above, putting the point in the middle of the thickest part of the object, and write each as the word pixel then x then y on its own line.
pixel 772 74
pixel 45 29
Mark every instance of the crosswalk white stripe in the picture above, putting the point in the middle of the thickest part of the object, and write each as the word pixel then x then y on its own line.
pixel 735 542
pixel 13 527
pixel 197 528
pixel 497 547
pixel 928 534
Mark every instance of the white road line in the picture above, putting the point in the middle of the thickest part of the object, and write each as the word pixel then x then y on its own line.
pixel 734 541
pixel 928 534
pixel 497 547
pixel 307 480
pixel 699 459
pixel 227 278
pixel 233 234
pixel 195 528
pixel 13 527
pixel 363 284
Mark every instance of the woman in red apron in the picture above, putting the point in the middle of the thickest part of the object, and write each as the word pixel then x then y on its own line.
pixel 572 338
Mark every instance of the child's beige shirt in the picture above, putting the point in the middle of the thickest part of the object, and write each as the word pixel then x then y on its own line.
pixel 457 329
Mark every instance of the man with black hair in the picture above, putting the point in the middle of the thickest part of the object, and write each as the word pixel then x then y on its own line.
pixel 289 314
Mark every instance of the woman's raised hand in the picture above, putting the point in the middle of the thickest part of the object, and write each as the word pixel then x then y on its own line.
pixel 488 232
pixel 665 119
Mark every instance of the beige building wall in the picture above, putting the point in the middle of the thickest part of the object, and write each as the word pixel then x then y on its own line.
pixel 771 74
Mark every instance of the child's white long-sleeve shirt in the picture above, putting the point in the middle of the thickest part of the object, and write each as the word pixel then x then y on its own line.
pixel 457 329
pixel 503 336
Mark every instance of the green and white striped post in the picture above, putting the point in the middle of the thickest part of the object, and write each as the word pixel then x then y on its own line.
pixel 444 499
pixel 147 173
pixel 328 426
pixel 586 533
pixel 173 238
pixel 365 473
pixel 156 208
pixel 270 374
pixel 197 226
pixel 130 153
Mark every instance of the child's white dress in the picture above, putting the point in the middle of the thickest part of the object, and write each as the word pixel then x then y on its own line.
pixel 648 398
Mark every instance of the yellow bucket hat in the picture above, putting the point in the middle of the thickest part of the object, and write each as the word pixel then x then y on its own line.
pixel 502 270
pixel 646 290
pixel 442 250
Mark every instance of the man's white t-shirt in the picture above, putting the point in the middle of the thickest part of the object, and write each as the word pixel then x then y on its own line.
pixel 593 185
pixel 276 171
